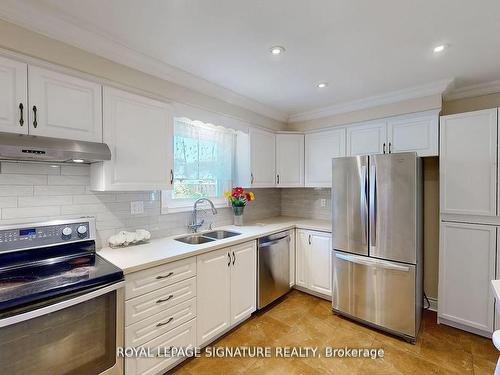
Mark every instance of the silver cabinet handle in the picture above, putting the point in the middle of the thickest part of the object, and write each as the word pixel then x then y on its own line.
pixel 383 147
pixel 164 276
pixel 165 299
pixel 171 177
pixel 310 239
pixel 251 178
pixel 165 323
pixel 278 179
pixel 234 258
pixel 390 147
pixel 229 259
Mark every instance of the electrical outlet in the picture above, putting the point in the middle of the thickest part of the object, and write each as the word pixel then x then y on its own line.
pixel 137 207
pixel 323 202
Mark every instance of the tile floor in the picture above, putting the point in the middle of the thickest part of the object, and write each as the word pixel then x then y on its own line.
pixel 303 320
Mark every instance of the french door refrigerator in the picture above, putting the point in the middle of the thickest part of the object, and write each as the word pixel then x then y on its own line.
pixel 377 241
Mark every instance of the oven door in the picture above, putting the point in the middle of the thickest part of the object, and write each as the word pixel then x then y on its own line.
pixel 76 335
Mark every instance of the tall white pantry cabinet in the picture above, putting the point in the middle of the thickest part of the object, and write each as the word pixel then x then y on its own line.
pixel 470 221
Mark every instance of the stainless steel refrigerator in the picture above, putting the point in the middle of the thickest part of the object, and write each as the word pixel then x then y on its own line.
pixel 377 241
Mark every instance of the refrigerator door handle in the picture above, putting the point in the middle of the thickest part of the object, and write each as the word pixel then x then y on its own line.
pixel 364 203
pixel 373 206
pixel 372 262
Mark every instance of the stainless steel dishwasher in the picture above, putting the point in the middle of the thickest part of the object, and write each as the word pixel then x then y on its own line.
pixel 273 270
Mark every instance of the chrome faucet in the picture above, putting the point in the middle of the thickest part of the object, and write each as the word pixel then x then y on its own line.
pixel 195 225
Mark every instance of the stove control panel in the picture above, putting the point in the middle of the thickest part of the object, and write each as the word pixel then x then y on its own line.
pixel 42 235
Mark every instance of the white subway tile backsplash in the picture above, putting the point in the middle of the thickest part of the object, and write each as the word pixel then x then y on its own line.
pixel 8 202
pixel 16 190
pixel 58 190
pixel 34 192
pixel 68 180
pixel 30 168
pixel 49 200
pixel 23 179
pixel 75 170
pixel 30 212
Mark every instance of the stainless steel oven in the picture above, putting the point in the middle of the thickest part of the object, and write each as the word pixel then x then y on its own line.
pixel 61 305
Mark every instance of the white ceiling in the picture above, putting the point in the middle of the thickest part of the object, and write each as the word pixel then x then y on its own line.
pixel 361 47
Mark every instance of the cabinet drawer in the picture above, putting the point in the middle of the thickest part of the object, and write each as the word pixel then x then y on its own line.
pixel 146 281
pixel 152 303
pixel 158 324
pixel 182 336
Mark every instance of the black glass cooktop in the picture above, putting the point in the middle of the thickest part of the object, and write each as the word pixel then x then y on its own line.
pixel 37 274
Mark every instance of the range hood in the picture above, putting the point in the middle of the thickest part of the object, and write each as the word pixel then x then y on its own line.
pixel 35 148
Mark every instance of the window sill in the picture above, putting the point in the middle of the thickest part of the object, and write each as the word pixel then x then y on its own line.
pixel 171 210
pixel 169 207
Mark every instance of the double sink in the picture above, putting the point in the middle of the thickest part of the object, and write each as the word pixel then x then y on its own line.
pixel 197 239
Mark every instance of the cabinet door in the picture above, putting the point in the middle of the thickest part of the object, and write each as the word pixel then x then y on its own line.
pixel 466 267
pixel 302 248
pixel 13 96
pixel 262 156
pixel 139 132
pixel 417 133
pixel 289 160
pixel 320 149
pixel 365 139
pixel 66 106
pixel 320 263
pixel 213 294
pixel 243 281
pixel 468 163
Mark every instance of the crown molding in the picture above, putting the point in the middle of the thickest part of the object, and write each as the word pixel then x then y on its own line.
pixel 76 33
pixel 433 88
pixel 474 90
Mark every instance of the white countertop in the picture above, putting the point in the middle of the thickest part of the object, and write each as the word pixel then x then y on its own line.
pixel 165 250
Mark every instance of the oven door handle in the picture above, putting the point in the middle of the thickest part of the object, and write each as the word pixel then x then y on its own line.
pixel 59 305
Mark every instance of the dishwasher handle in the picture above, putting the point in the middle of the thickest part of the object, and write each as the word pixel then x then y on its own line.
pixel 270 243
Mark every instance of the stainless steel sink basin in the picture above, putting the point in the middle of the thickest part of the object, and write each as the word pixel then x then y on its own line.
pixel 220 234
pixel 195 239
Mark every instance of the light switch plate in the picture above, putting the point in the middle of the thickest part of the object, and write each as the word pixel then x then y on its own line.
pixel 137 207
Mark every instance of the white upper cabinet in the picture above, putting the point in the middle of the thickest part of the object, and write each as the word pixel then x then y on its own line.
pixel 243 281
pixel 139 132
pixel 320 149
pixel 466 266
pixel 289 160
pixel 63 106
pixel 418 132
pixel 366 139
pixel 468 163
pixel 13 96
pixel 262 158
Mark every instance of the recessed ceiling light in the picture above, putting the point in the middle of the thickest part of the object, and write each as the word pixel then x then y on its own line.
pixel 322 85
pixel 439 48
pixel 77 160
pixel 277 50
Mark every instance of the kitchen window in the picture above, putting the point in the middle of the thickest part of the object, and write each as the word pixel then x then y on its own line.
pixel 203 164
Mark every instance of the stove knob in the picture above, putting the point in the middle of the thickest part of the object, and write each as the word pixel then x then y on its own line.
pixel 82 231
pixel 67 232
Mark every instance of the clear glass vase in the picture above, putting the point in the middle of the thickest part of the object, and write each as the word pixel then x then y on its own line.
pixel 238 215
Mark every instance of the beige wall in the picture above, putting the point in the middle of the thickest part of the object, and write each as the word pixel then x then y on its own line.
pixel 18 39
pixel 471 104
pixel 386 110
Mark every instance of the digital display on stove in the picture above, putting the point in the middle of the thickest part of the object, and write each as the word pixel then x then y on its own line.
pixel 27 232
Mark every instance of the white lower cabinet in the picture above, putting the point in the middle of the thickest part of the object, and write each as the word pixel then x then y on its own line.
pixel 160 312
pixel 226 289
pixel 467 256
pixel 313 261
pixel 292 257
